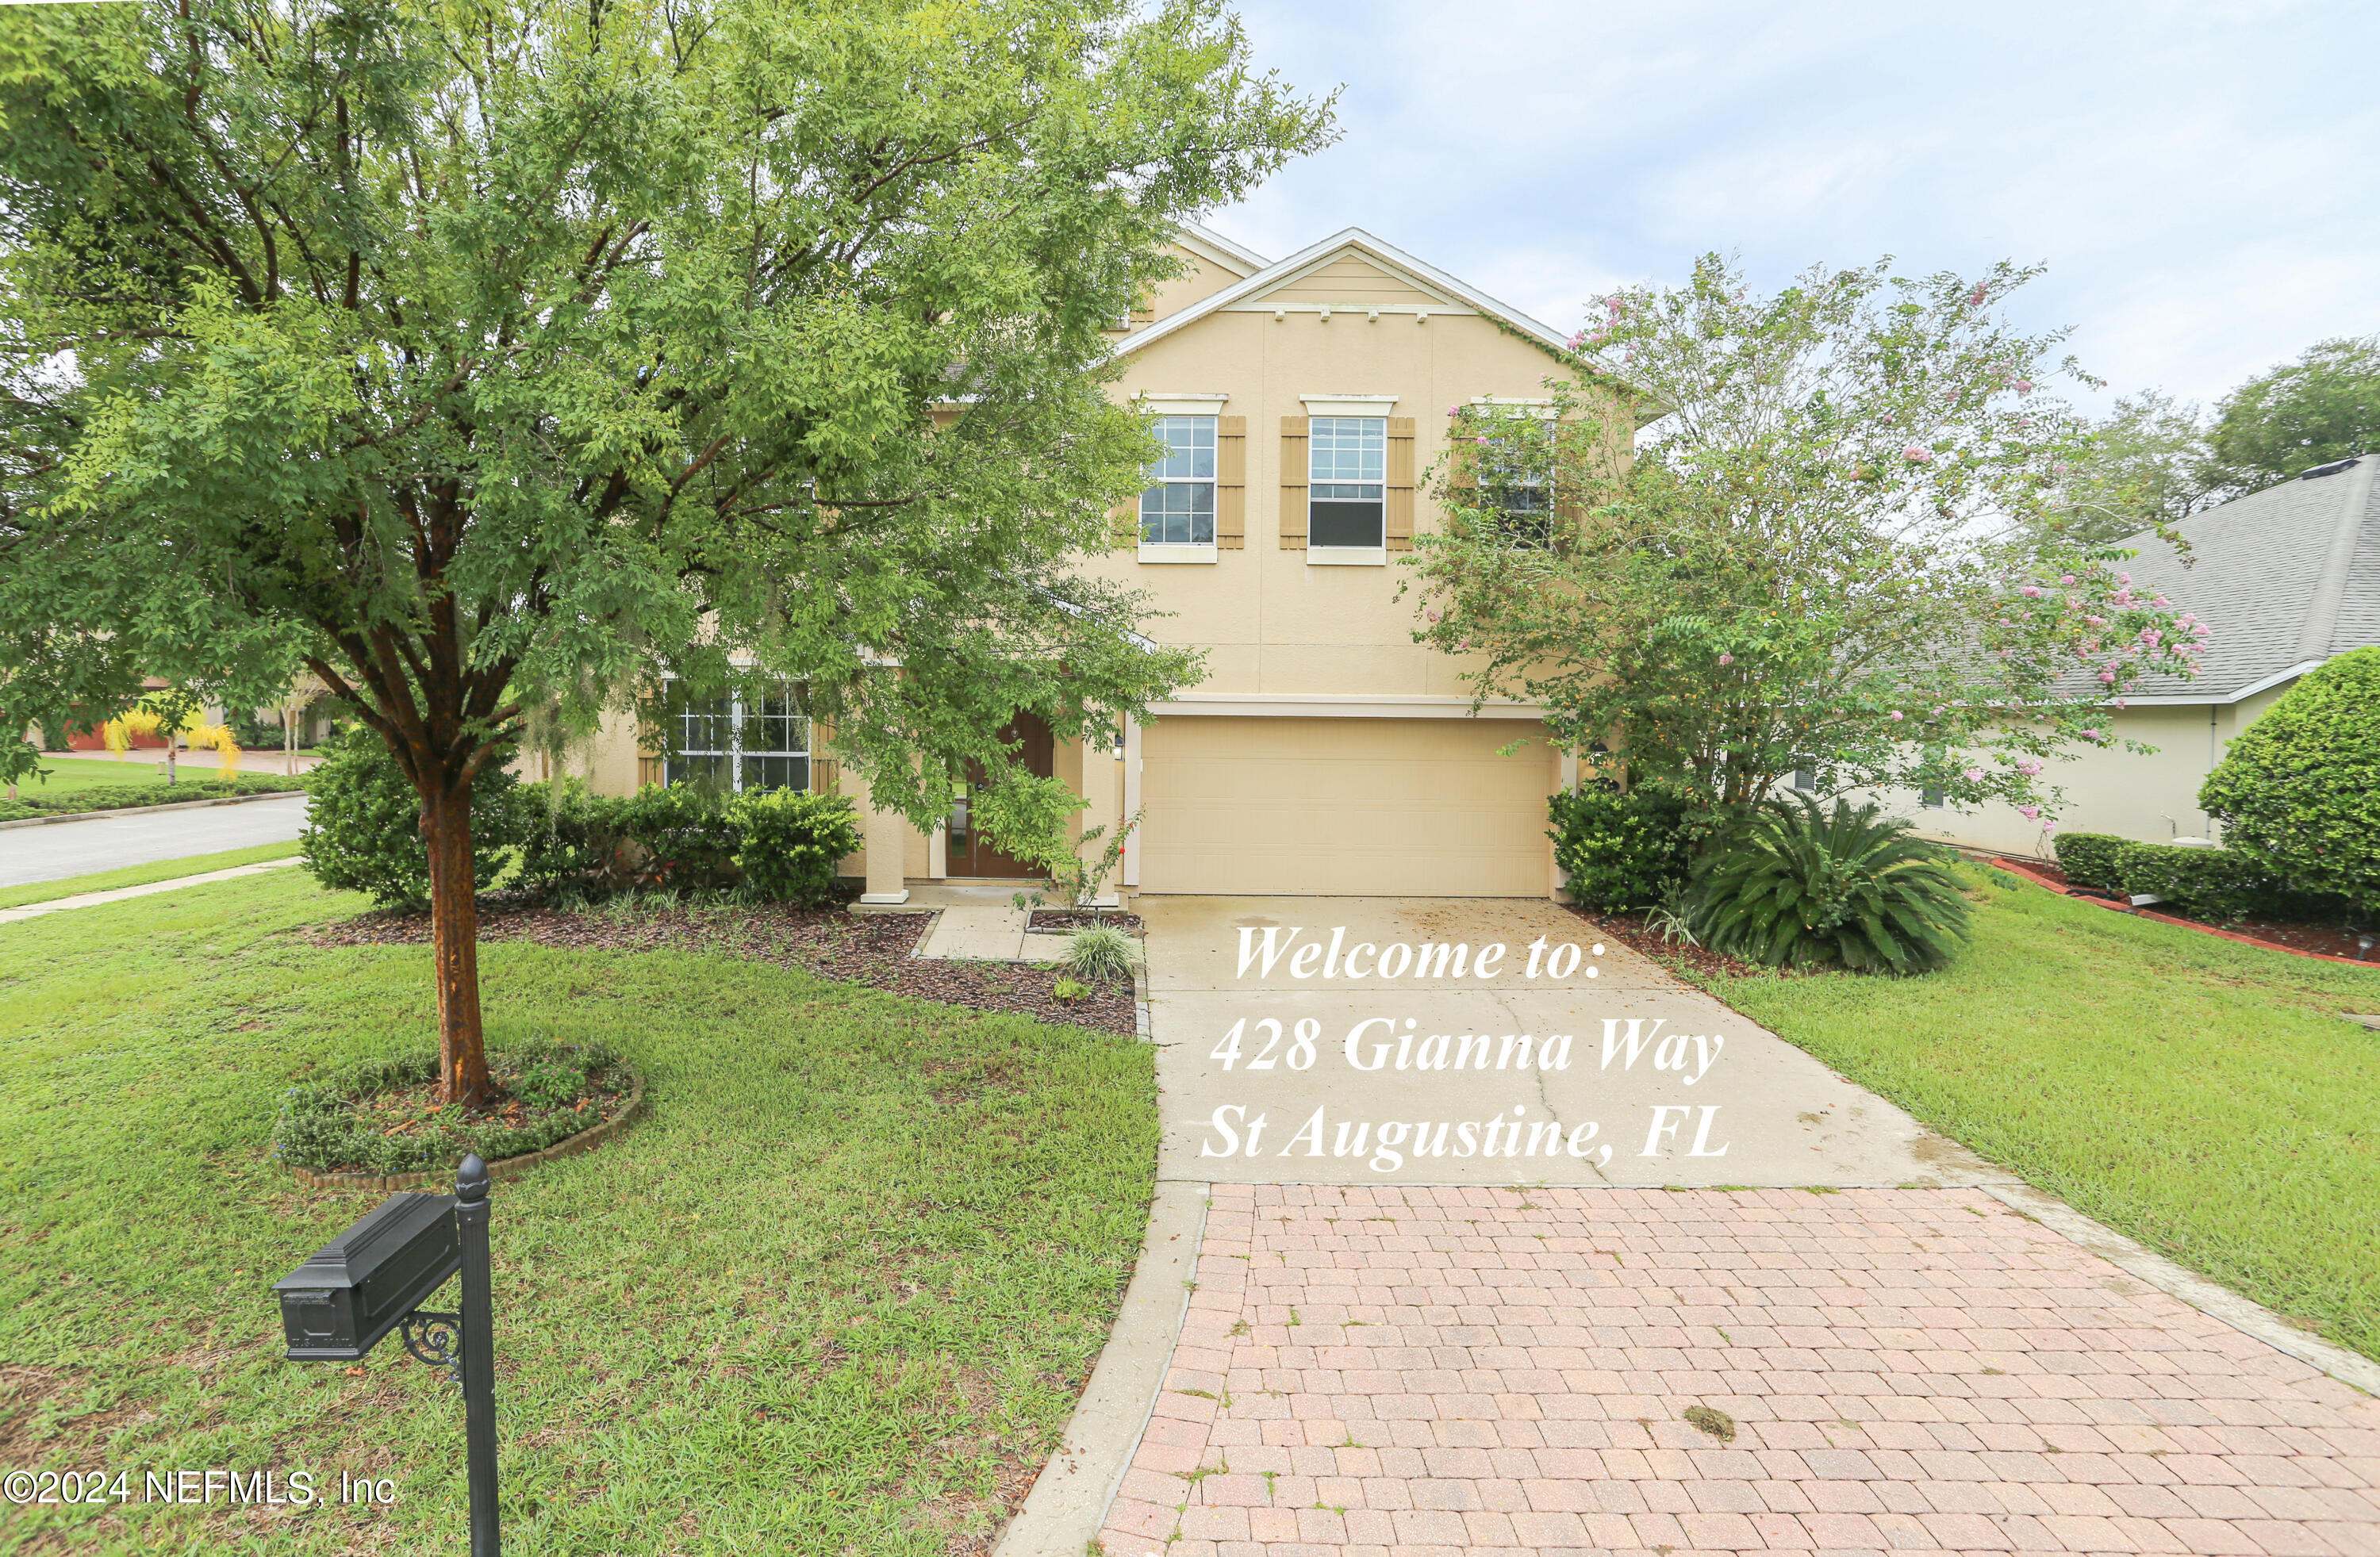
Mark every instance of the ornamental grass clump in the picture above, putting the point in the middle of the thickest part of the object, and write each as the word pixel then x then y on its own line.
pixel 1801 887
pixel 1102 954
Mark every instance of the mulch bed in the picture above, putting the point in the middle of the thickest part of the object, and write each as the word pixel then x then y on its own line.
pixel 1057 921
pixel 1695 964
pixel 2321 940
pixel 872 949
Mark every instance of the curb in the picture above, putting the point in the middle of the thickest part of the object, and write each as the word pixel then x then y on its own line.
pixel 1069 1501
pixel 503 1167
pixel 149 810
pixel 2018 868
pixel 2244 1314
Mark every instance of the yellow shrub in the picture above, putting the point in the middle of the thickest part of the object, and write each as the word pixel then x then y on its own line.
pixel 216 738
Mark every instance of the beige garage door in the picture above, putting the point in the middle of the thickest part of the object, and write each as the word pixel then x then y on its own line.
pixel 1344 807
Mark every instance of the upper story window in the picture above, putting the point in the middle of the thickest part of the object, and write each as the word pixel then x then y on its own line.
pixel 757 740
pixel 1179 509
pixel 1516 486
pixel 1348 471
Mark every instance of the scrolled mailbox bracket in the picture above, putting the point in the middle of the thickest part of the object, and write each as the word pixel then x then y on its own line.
pixel 374 1277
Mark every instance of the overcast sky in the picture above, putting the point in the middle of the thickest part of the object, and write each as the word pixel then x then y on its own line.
pixel 2200 178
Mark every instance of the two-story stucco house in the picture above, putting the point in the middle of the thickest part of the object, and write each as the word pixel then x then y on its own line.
pixel 1326 752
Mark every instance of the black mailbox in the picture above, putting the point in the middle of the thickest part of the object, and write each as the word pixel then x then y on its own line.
pixel 353 1290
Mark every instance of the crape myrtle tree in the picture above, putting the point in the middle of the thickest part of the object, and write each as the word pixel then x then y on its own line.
pixel 492 360
pixel 1821 554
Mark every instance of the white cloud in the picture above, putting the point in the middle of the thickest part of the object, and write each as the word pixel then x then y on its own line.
pixel 2198 177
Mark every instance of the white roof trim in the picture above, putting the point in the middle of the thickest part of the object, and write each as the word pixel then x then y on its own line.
pixel 1340 705
pixel 1427 276
pixel 1224 252
pixel 2186 700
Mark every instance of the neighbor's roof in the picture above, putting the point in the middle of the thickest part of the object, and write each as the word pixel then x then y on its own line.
pixel 2284 579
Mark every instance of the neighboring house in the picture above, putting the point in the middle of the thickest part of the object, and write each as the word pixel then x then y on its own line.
pixel 2284 579
pixel 1326 752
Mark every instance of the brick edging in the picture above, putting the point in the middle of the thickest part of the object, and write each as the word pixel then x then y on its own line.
pixel 146 810
pixel 2018 868
pixel 505 1167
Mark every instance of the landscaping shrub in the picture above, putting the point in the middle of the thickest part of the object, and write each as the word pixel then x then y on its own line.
pixel 1102 954
pixel 2298 790
pixel 332 1124
pixel 31 802
pixel 2089 860
pixel 363 831
pixel 671 836
pixel 791 843
pixel 1619 851
pixel 2223 886
pixel 1798 887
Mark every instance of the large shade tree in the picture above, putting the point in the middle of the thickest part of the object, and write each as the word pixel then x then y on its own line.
pixel 489 359
pixel 1819 551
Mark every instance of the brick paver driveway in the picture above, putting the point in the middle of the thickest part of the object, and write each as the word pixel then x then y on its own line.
pixel 1476 1371
pixel 1396 1367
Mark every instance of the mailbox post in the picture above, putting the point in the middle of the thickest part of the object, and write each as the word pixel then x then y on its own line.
pixel 374 1277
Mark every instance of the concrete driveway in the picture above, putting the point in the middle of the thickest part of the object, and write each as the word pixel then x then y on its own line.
pixel 1585 1065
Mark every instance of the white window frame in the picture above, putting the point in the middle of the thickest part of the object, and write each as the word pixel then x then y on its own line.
pixel 1192 550
pixel 736 752
pixel 1316 553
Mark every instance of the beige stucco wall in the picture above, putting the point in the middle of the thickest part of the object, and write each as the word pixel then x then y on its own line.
pixel 1272 620
pixel 1202 277
pixel 2152 797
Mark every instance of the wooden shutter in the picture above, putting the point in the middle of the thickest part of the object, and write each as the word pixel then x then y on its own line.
pixel 1293 431
pixel 1230 483
pixel 1401 484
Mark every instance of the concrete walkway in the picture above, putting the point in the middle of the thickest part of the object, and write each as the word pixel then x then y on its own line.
pixel 147 889
pixel 1494 1345
pixel 980 921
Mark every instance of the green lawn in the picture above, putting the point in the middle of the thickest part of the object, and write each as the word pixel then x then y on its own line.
pixel 68 774
pixel 2202 1096
pixel 141 875
pixel 845 1279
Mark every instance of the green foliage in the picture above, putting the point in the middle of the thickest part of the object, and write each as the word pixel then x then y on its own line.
pixel 322 1127
pixel 1800 887
pixel 1081 880
pixel 1029 817
pixel 791 843
pixel 2145 467
pixel 1621 851
pixel 2221 886
pixel 1070 989
pixel 2298 790
pixel 2089 859
pixel 2324 406
pixel 670 837
pixel 1101 953
pixel 363 830
pixel 1824 549
pixel 122 797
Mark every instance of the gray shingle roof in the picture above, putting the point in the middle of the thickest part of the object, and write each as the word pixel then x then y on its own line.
pixel 2281 577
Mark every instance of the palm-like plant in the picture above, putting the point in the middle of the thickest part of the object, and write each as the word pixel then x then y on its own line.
pixel 1804 887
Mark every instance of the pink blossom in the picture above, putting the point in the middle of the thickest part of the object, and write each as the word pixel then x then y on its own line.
pixel 1727 659
pixel 2024 386
pixel 1895 712
pixel 2150 636
pixel 2068 579
pixel 2031 591
pixel 1975 776
pixel 1433 617
pixel 2119 702
pixel 2161 602
pixel 1976 298
pixel 2050 826
pixel 2095 621
pixel 2029 768
pixel 1454 410
pixel 2090 734
pixel 2107 676
pixel 2029 811
pixel 2201 630
pixel 1917 455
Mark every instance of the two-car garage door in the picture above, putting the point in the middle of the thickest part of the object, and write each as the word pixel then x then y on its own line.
pixel 1344 807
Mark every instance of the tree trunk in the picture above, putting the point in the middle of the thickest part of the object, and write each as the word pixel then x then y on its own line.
pixel 172 741
pixel 455 938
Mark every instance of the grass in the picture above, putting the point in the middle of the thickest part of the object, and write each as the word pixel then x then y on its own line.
pixel 139 766
pixel 2202 1096
pixel 840 1288
pixel 141 875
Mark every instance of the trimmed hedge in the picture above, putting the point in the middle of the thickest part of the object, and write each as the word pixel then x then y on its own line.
pixel 2298 790
pixel 784 844
pixel 30 802
pixel 1619 851
pixel 2222 886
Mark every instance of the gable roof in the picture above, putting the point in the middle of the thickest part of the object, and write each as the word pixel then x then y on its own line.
pixel 2284 579
pixel 1428 278
pixel 1208 244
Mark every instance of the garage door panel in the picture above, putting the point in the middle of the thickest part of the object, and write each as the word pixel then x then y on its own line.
pixel 1347 806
